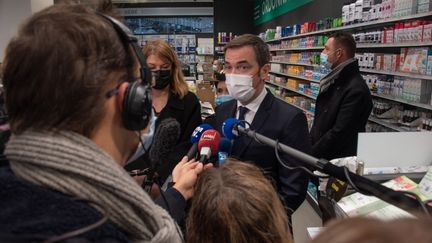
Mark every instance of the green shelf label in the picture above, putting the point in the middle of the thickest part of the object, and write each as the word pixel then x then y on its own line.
pixel 266 10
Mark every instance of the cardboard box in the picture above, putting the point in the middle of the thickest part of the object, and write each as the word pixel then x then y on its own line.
pixel 205 93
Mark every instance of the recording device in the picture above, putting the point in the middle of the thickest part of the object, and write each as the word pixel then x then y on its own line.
pixel 233 127
pixel 137 104
pixel 224 150
pixel 195 137
pixel 208 145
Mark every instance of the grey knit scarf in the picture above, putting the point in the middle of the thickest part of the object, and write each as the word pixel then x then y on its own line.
pixel 329 79
pixel 73 164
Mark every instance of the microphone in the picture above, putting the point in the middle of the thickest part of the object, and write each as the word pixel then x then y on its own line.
pixel 232 127
pixel 224 150
pixel 227 128
pixel 165 138
pixel 195 137
pixel 208 145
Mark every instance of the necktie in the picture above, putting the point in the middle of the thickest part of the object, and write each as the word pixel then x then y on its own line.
pixel 242 112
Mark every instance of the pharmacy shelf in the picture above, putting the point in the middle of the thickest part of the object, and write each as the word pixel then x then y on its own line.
pixel 299 49
pixel 297 64
pixel 387 97
pixel 295 76
pixel 363 46
pixel 401 74
pixel 365 25
pixel 303 109
pixel 388 124
pixel 393 45
pixel 293 90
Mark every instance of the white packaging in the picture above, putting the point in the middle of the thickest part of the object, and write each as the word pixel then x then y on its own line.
pixel 345 14
pixel 358 11
pixel 371 62
pixel 351 17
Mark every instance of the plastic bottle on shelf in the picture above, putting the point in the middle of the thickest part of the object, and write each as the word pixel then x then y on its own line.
pixel 358 11
pixel 351 17
pixel 345 14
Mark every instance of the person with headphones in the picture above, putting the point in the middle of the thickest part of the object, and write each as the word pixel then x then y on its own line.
pixel 171 99
pixel 77 92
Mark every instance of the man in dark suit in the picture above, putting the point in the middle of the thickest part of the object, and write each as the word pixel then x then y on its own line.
pixel 246 68
pixel 344 102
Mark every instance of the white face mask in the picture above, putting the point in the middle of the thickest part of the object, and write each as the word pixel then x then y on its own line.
pixel 240 87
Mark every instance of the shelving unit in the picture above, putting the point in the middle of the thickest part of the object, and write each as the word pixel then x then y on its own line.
pixel 388 125
pixel 371 118
pixel 295 76
pixel 293 90
pixel 401 74
pixel 362 47
pixel 370 24
pixel 419 105
pixel 296 64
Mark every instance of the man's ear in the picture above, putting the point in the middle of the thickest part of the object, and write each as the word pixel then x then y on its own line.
pixel 264 73
pixel 121 94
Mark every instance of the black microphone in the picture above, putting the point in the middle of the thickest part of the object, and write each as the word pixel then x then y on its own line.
pixel 232 127
pixel 165 138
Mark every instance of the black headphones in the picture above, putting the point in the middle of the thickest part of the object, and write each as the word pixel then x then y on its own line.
pixel 137 104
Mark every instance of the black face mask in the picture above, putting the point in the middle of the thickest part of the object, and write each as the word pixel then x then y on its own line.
pixel 162 79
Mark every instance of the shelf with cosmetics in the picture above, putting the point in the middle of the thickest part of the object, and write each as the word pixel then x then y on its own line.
pixel 395 59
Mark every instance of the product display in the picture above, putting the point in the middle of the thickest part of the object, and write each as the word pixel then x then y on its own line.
pixel 400 77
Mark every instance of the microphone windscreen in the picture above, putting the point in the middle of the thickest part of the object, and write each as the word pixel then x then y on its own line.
pixel 225 145
pixel 211 139
pixel 228 127
pixel 199 130
pixel 165 138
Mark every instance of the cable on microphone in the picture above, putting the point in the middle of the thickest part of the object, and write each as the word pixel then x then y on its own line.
pixel 361 184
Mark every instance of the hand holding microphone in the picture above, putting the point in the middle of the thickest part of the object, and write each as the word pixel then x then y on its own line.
pixel 185 175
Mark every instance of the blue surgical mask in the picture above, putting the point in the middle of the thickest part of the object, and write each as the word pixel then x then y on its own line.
pixel 223 98
pixel 324 61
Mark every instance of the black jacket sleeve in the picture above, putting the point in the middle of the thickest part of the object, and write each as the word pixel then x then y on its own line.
pixel 173 201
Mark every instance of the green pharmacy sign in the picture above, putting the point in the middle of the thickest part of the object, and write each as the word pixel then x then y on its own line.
pixel 266 10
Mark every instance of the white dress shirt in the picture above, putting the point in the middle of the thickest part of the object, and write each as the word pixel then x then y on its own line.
pixel 252 106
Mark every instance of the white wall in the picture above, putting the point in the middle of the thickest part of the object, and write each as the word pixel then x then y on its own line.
pixel 12 15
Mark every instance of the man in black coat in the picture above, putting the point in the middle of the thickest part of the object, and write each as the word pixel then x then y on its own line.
pixel 246 67
pixel 344 101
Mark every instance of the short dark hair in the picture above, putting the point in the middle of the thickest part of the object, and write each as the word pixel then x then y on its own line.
pixel 346 41
pixel 59 67
pixel 261 49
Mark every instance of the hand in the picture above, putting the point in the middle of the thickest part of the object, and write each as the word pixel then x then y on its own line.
pixel 185 175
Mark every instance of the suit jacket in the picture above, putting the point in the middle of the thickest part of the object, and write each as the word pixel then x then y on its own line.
pixel 277 120
pixel 341 113
pixel 187 112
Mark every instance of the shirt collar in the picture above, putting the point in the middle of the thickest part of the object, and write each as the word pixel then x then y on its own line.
pixel 254 104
